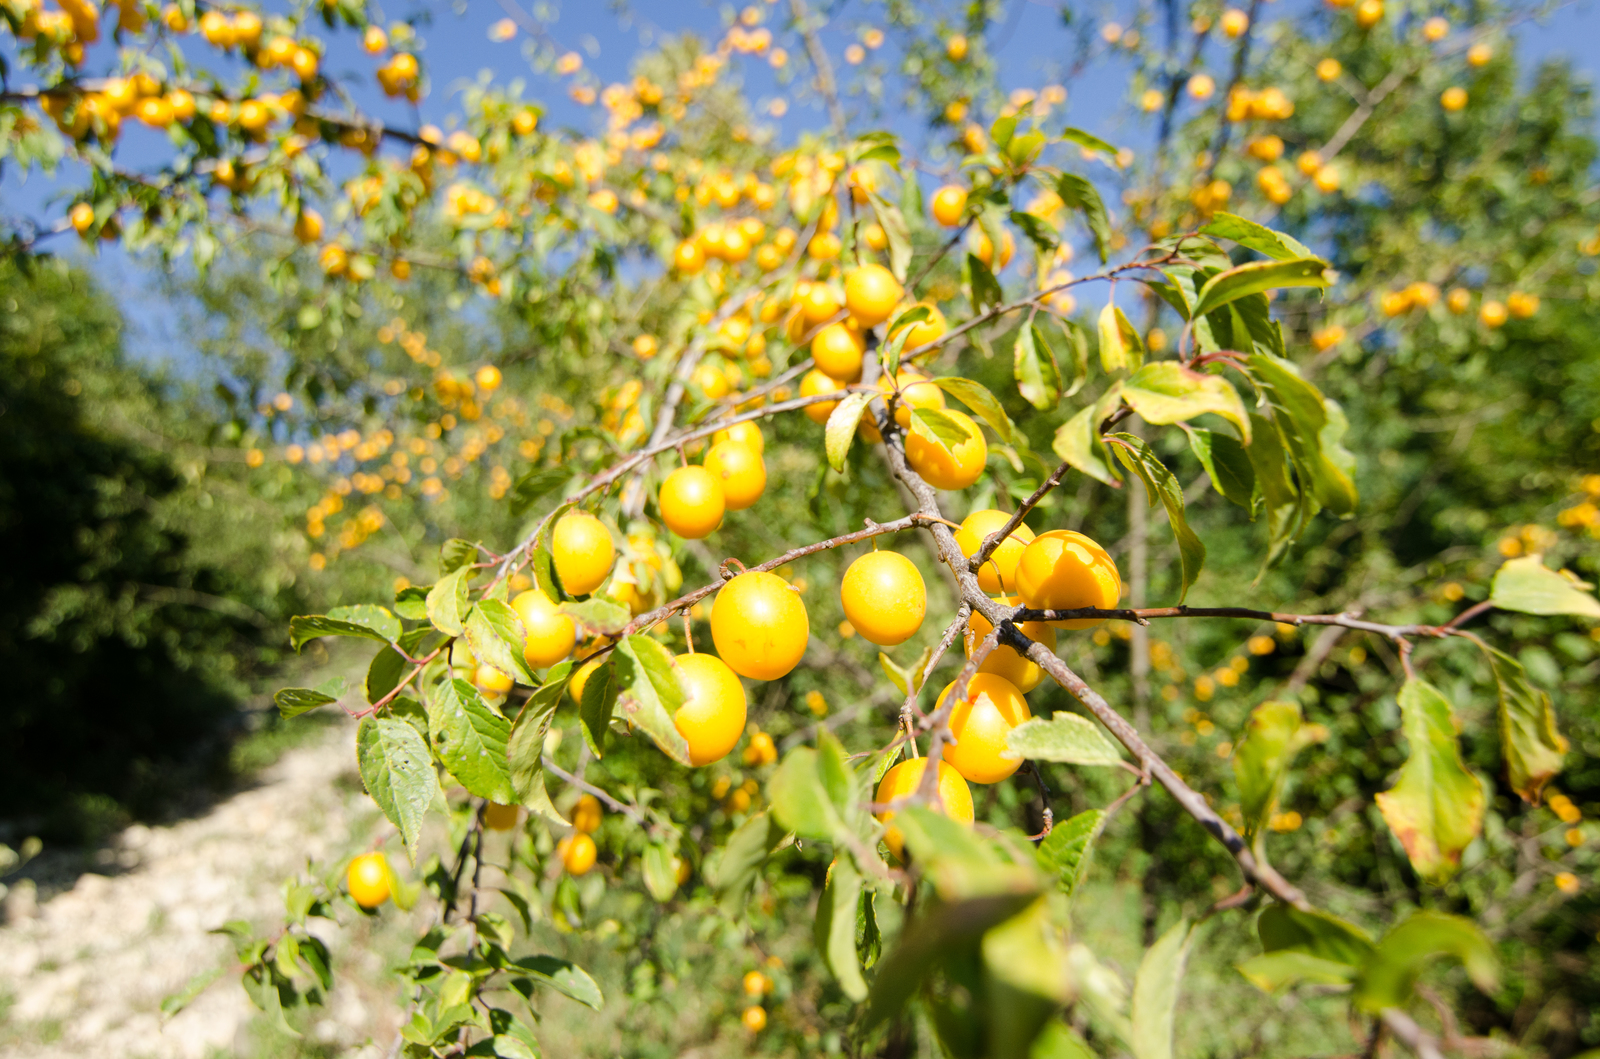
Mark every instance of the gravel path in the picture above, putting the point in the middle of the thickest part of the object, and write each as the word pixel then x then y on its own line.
pixel 83 973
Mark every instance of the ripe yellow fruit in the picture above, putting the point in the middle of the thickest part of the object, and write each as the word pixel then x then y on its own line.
pixel 956 48
pixel 870 293
pixel 646 346
pixel 253 115
pixel 82 217
pixel 586 814
pixel 1459 300
pixel 1234 23
pixel 1327 179
pixel 182 104
pixel 1368 13
pixel 1394 302
pixel 956 469
pixel 374 40
pixel 689 258
pixel 1005 660
pixel 949 203
pixel 491 680
pixel 692 502
pixel 955 797
pixel 1522 305
pixel 838 352
pixel 488 378
pixel 824 246
pixel 980 723
pixel 1435 29
pixel 155 112
pixel 740 471
pixel 759 625
pixel 581 678
pixel 884 597
pixel 1453 98
pixel 368 880
pixel 756 983
pixel 1492 314
pixel 923 331
pixel 577 852
pixel 712 716
pixel 745 433
pixel 308 226
pixel 549 635
pixel 818 302
pixel 983 246
pixel 754 1018
pixel 768 257
pixel 1479 54
pixel 916 391
pixel 333 259
pixel 1329 69
pixel 1064 570
pixel 583 553
pixel 875 237
pixel 814 384
pixel 497 817
pixel 1201 86
pixel 999 574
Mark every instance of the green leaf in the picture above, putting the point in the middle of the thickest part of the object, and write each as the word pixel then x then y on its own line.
pixel 599 702
pixel 1227 464
pixel 660 873
pixel 839 780
pixel 176 1002
pixel 894 226
pixel 1529 586
pixel 960 862
pixel 1077 356
pixel 834 930
pixel 1025 978
pixel 1064 737
pixel 1255 313
pixel 1436 807
pixel 309 627
pixel 1079 194
pixel 1257 237
pixel 564 976
pixel 384 673
pixel 840 431
pixel 1068 849
pixel 983 404
pixel 1312 427
pixel 1273 972
pixel 1040 234
pixel 535 486
pixel 292 702
pixel 897 676
pixel 1166 392
pixel 1389 977
pixel 938 427
pixel 600 617
pixel 470 739
pixel 1258 276
pixel 1283 503
pixel 411 602
pixel 800 802
pixel 1088 141
pixel 447 602
pixel 455 553
pixel 1137 456
pixel 649 692
pixel 1077 442
pixel 379 619
pixel 733 872
pixel 1275 734
pixel 1155 992
pixel 1286 928
pixel 983 290
pixel 1059 1041
pixel 1033 364
pixel 1532 745
pixel 525 749
pixel 495 634
pixel 397 770
pixel 1002 130
pixel 1121 348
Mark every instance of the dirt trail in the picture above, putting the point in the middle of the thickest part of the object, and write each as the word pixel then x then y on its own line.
pixel 83 973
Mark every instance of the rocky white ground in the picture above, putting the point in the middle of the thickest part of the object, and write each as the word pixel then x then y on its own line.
pixel 83 973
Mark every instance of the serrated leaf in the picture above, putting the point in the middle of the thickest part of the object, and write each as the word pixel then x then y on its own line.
pixel 379 619
pixel 983 290
pixel 1259 276
pixel 1275 735
pixel 894 226
pixel 456 553
pixel 411 602
pixel 1077 442
pixel 1166 392
pixel 1137 456
pixel 525 746
pixel 535 486
pixel 601 617
pixel 1033 365
pixel 834 931
pixel 397 771
pixel 1527 585
pixel 1068 849
pixel 1257 237
pixel 1121 348
pixel 308 627
pixel 1076 356
pixel 1529 740
pixel 599 701
pixel 292 702
pixel 447 602
pixel 938 427
pixel 1437 805
pixel 1064 737
pixel 1388 979
pixel 495 634
pixel 470 739
pixel 984 405
pixel 649 693
pixel 384 673
pixel 1155 993
pixel 840 431
pixel 565 977
pixel 1079 194
pixel 1227 464
pixel 1312 428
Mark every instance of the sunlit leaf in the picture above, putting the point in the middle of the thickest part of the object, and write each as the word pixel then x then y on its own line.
pixel 1437 806
pixel 1136 455
pixel 1166 392
pixel 1525 584
pixel 1258 276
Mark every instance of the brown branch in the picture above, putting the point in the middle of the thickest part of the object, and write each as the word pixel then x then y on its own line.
pixel 993 540
pixel 589 788
pixel 819 59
